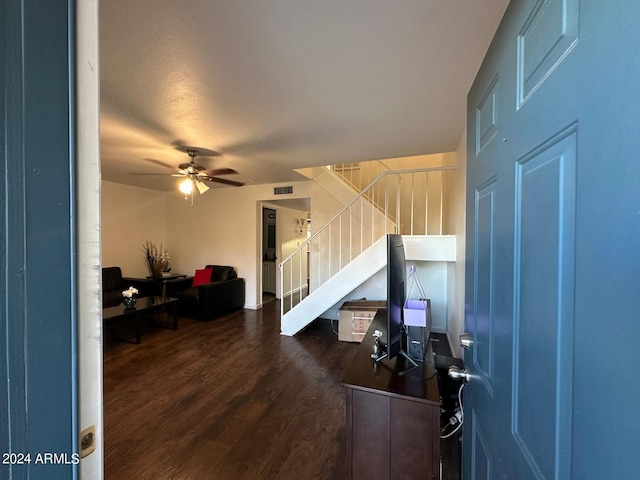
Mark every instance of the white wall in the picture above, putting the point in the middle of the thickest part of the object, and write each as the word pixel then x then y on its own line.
pixel 130 217
pixel 433 277
pixel 224 227
pixel 455 223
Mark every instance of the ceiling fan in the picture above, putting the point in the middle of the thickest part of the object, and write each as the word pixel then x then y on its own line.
pixel 196 175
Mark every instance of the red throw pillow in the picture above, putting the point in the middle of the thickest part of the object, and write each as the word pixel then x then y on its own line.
pixel 202 276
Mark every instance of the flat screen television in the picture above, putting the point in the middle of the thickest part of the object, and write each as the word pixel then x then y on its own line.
pixel 396 273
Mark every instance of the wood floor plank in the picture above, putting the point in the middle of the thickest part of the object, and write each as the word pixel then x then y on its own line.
pixel 226 399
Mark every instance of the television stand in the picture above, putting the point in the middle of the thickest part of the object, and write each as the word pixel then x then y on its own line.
pixel 393 416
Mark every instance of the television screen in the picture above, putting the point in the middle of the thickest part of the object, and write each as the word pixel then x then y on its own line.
pixel 396 273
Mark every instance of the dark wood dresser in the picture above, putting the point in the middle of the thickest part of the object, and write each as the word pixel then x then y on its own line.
pixel 393 416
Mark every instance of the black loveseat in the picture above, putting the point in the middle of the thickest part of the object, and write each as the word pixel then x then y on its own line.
pixel 113 283
pixel 222 294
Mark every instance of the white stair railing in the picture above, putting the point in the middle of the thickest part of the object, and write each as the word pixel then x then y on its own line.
pixel 358 175
pixel 408 202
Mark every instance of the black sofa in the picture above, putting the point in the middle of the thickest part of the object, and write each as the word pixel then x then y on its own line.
pixel 113 283
pixel 223 294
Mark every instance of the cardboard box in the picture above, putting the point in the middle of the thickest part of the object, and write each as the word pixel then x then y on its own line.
pixel 354 319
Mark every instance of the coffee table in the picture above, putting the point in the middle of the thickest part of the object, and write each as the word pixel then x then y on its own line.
pixel 144 307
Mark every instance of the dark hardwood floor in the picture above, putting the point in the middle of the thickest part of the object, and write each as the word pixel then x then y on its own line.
pixel 228 399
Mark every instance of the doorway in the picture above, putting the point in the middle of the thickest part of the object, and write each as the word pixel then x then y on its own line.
pixel 284 227
pixel 269 254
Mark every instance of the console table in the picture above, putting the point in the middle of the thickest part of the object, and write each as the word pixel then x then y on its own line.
pixel 393 415
pixel 162 281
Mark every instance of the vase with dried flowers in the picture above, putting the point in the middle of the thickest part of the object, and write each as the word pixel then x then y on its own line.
pixel 165 258
pixel 157 259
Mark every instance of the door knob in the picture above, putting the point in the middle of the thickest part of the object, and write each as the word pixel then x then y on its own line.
pixel 466 341
pixel 459 373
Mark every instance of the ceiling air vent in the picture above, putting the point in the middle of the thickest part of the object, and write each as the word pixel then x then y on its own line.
pixel 282 190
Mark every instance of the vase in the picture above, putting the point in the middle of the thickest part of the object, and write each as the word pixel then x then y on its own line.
pixel 129 301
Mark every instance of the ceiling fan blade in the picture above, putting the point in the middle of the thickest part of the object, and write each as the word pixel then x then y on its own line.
pixel 160 174
pixel 219 171
pixel 158 162
pixel 223 181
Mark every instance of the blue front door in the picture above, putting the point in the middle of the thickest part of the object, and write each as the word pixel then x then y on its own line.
pixel 553 235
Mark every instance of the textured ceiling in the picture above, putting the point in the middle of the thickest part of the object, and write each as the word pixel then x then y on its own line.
pixel 266 86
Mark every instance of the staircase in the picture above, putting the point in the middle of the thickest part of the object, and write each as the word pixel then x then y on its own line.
pixel 351 247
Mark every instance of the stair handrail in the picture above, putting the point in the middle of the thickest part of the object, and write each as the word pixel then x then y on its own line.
pixel 357 198
pixel 380 166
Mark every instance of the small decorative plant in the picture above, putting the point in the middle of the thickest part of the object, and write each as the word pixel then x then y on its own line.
pixel 130 292
pixel 157 259
pixel 165 258
pixel 129 296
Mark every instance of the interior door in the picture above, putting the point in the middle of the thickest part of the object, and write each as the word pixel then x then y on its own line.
pixel 553 222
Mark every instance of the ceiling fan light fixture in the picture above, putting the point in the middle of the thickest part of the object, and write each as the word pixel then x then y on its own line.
pixel 201 186
pixel 186 186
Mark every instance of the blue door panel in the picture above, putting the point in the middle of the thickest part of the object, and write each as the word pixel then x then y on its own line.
pixel 483 273
pixel 543 352
pixel 548 35
pixel 482 463
pixel 486 120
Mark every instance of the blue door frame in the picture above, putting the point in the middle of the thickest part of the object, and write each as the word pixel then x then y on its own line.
pixel 38 386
